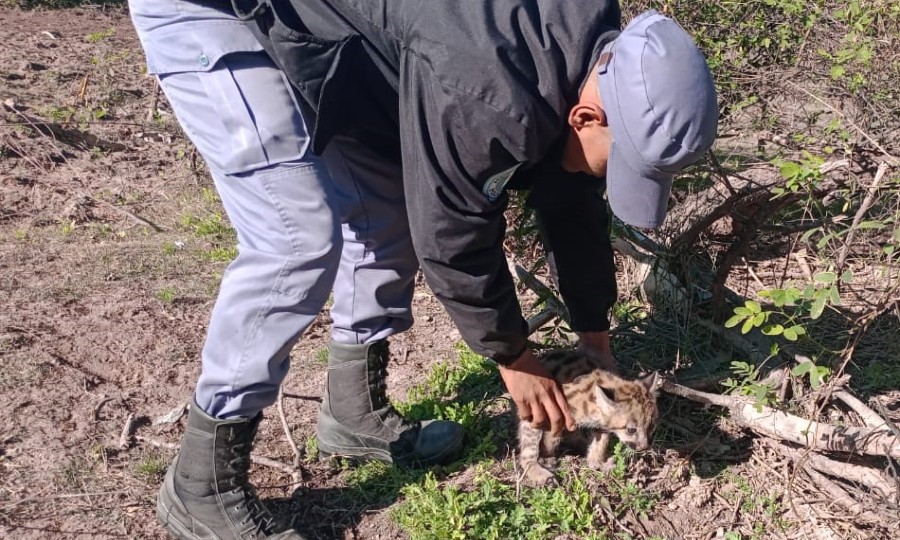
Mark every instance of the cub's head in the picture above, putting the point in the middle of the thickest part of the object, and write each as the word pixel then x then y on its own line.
pixel 629 409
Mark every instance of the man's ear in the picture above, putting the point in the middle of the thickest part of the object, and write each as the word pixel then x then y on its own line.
pixel 585 114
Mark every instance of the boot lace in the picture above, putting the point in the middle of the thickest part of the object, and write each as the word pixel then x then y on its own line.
pixel 260 522
pixel 378 360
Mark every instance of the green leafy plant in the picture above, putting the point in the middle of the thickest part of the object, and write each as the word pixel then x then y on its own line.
pixel 809 302
pixel 745 382
pixel 804 174
pixel 817 374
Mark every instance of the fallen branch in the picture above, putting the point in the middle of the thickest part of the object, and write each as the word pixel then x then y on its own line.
pixel 542 318
pixel 296 470
pixel 127 431
pixel 863 208
pixel 543 292
pixel 775 424
pixel 869 417
pixel 857 474
pixel 835 493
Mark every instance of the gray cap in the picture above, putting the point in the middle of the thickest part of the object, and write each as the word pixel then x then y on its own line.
pixel 661 106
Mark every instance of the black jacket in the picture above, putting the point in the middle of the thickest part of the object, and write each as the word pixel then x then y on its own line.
pixel 471 96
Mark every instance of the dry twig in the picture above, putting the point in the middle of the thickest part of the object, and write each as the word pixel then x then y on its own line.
pixel 296 474
pixel 863 208
pixel 127 432
pixel 857 474
pixel 779 425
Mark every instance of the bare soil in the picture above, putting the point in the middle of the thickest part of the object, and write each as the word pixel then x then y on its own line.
pixel 105 292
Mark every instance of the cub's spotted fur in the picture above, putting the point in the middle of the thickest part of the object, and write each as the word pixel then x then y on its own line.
pixel 601 403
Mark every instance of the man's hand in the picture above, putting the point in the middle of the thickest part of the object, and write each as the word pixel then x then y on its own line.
pixel 539 398
pixel 596 344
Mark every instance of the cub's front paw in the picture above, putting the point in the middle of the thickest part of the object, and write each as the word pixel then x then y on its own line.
pixel 605 465
pixel 537 475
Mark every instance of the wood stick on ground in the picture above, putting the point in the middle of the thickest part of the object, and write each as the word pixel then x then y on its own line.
pixel 869 417
pixel 835 492
pixel 537 321
pixel 857 474
pixel 863 208
pixel 775 424
pixel 544 292
pixel 127 431
pixel 154 103
pixel 296 473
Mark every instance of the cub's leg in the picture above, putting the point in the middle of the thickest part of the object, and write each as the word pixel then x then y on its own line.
pixel 597 452
pixel 529 452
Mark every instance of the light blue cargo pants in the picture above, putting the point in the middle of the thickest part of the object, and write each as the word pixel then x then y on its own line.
pixel 306 225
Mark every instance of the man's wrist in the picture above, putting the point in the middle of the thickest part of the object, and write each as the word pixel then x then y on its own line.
pixel 508 360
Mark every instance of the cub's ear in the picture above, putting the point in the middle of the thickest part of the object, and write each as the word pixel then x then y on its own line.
pixel 652 382
pixel 605 396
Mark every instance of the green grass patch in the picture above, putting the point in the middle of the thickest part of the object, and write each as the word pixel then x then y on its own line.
pixel 491 506
pixel 210 226
pixel 167 294
pixel 492 509
pixel 150 468
pixel 462 392
pixel 220 254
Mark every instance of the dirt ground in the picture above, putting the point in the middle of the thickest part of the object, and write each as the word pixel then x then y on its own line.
pixel 105 292
pixel 111 249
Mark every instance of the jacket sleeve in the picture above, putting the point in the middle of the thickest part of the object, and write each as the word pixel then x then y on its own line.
pixel 452 144
pixel 574 222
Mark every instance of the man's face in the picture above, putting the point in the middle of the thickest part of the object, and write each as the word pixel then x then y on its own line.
pixel 589 137
pixel 596 150
pixel 587 148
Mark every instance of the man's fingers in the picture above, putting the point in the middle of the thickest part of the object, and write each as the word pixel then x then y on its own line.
pixel 564 407
pixel 557 419
pixel 538 417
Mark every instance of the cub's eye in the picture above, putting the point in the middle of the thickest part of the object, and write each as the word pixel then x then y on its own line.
pixel 631 431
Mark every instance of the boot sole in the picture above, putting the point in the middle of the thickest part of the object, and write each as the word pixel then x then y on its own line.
pixel 172 526
pixel 358 456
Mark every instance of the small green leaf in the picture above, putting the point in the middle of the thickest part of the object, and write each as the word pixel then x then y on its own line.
pixel 825 277
pixel 837 71
pixel 809 291
pixel 801 369
pixel 790 334
pixel 889 250
pixel 741 310
pixel 799 330
pixel 807 234
pixel 733 321
pixel 818 306
pixel 847 276
pixel 759 319
pixel 835 296
pixel 814 380
pixel 773 330
pixel 754 307
pixel 748 325
pixel 877 225
pixel 790 170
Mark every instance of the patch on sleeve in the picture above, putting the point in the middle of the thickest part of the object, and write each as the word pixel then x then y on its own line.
pixel 494 185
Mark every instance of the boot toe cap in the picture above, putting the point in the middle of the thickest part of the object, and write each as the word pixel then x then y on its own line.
pixel 440 442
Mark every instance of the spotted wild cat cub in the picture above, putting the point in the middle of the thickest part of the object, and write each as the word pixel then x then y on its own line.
pixel 601 403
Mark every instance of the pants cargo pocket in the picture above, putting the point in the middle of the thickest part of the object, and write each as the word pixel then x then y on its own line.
pixel 242 115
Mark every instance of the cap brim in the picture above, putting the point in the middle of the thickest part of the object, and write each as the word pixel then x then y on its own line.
pixel 637 199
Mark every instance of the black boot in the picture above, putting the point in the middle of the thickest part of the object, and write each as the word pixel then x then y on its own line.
pixel 206 495
pixel 357 420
